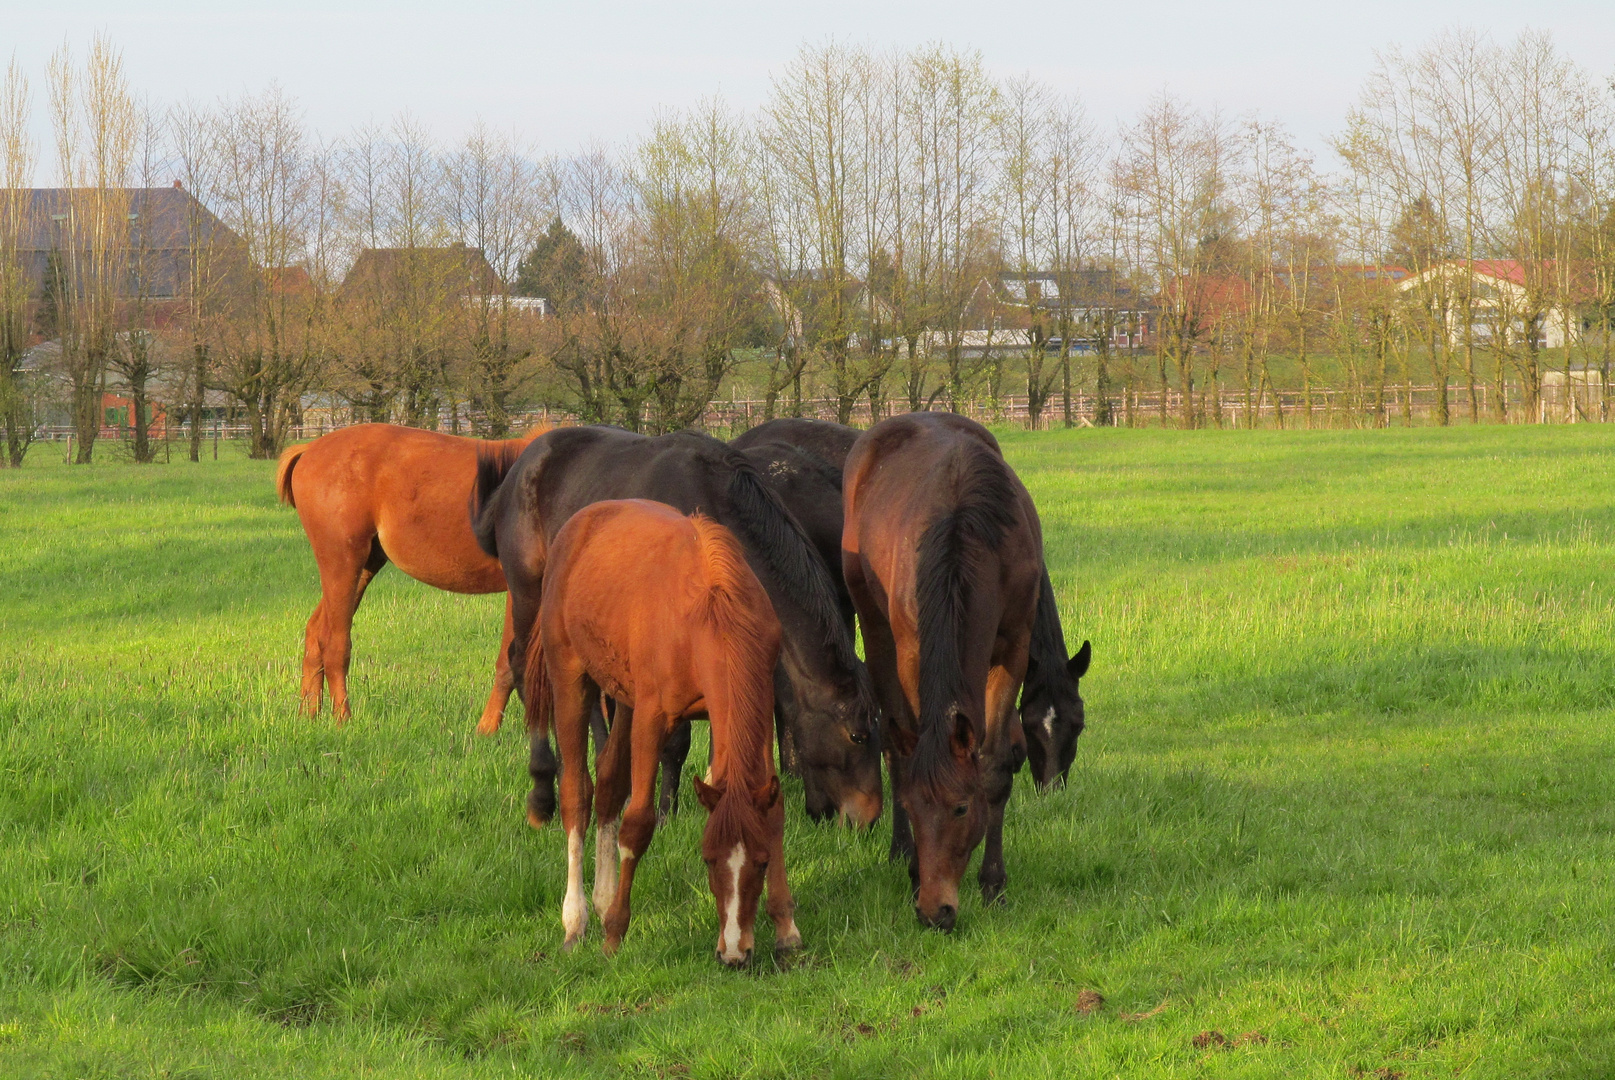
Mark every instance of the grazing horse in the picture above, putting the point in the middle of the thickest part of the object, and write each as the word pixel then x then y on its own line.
pixel 943 555
pixel 522 501
pixel 828 440
pixel 1051 708
pixel 660 611
pixel 1052 714
pixel 378 493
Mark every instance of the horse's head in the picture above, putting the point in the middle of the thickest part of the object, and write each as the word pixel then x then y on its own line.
pixel 836 732
pixel 1052 718
pixel 941 789
pixel 736 848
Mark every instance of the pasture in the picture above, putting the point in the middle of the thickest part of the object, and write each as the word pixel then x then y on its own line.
pixel 1342 808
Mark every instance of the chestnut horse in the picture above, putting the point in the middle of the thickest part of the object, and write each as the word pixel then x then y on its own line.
pixel 1051 708
pixel 661 612
pixel 943 555
pixel 378 493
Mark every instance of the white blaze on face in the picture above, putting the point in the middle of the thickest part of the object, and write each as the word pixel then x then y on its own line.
pixel 1048 722
pixel 731 910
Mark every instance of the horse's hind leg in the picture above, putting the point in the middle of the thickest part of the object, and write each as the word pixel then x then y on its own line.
pixel 675 751
pixel 313 692
pixel 343 589
pixel 504 681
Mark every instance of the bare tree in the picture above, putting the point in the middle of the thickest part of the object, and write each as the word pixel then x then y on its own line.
pixel 269 346
pixel 16 226
pixel 94 120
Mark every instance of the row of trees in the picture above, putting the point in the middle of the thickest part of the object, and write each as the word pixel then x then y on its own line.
pixel 888 231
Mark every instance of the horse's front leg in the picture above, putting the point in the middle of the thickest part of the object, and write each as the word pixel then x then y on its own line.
pixel 504 680
pixel 613 756
pixel 781 904
pixel 998 774
pixel 638 821
pixel 571 699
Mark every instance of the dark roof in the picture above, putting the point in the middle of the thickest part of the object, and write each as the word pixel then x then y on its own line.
pixel 160 219
pixel 457 268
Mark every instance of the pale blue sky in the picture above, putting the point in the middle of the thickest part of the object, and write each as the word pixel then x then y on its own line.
pixel 563 74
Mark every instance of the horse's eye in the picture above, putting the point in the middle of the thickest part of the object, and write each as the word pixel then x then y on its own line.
pixel 961 810
pixel 763 866
pixel 858 738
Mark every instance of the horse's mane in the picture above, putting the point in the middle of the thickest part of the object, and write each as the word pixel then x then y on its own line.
pixel 951 554
pixel 741 626
pixel 776 535
pixel 1047 648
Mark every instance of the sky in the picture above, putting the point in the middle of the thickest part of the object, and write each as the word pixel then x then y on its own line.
pixel 563 75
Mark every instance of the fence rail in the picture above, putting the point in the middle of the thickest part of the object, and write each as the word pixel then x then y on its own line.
pixel 1229 408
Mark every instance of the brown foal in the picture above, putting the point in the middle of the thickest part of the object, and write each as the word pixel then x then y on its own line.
pixel 660 612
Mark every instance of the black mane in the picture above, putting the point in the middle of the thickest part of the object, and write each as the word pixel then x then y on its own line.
pixel 1047 652
pixel 951 554
pixel 777 537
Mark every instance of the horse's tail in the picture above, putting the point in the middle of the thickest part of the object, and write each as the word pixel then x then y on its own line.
pixel 536 700
pixel 283 472
pixel 950 554
pixel 494 462
pixel 742 621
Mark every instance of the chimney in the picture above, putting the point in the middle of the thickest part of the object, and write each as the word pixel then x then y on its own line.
pixel 178 186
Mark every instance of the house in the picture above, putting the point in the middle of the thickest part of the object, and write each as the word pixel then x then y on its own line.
pixel 167 227
pixel 394 273
pixel 1095 299
pixel 1506 295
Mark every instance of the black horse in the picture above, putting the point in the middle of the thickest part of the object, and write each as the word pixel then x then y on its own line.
pixel 1051 708
pixel 520 503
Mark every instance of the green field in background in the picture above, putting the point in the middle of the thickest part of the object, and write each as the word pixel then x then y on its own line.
pixel 1344 799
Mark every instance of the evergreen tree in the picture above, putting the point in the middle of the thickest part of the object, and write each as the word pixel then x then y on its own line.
pixel 557 269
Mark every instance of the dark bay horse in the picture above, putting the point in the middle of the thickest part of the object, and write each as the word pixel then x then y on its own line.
pixel 1051 708
pixel 1052 714
pixel 524 500
pixel 824 438
pixel 943 555
pixel 661 612
pixel 377 493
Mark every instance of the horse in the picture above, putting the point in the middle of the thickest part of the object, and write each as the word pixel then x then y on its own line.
pixel 1052 712
pixel 661 612
pixel 522 500
pixel 824 438
pixel 943 555
pixel 1051 707
pixel 378 493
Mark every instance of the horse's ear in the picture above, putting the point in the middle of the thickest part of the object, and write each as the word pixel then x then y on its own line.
pixel 964 737
pixel 766 796
pixel 1077 666
pixel 902 741
pixel 708 794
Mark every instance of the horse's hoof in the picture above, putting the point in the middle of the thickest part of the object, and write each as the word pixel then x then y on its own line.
pixel 789 943
pixel 535 820
pixel 992 892
pixel 571 943
pixel 610 946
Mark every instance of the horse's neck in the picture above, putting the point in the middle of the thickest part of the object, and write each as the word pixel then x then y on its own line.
pixel 729 756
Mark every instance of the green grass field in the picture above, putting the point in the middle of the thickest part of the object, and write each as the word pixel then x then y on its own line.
pixel 1344 799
